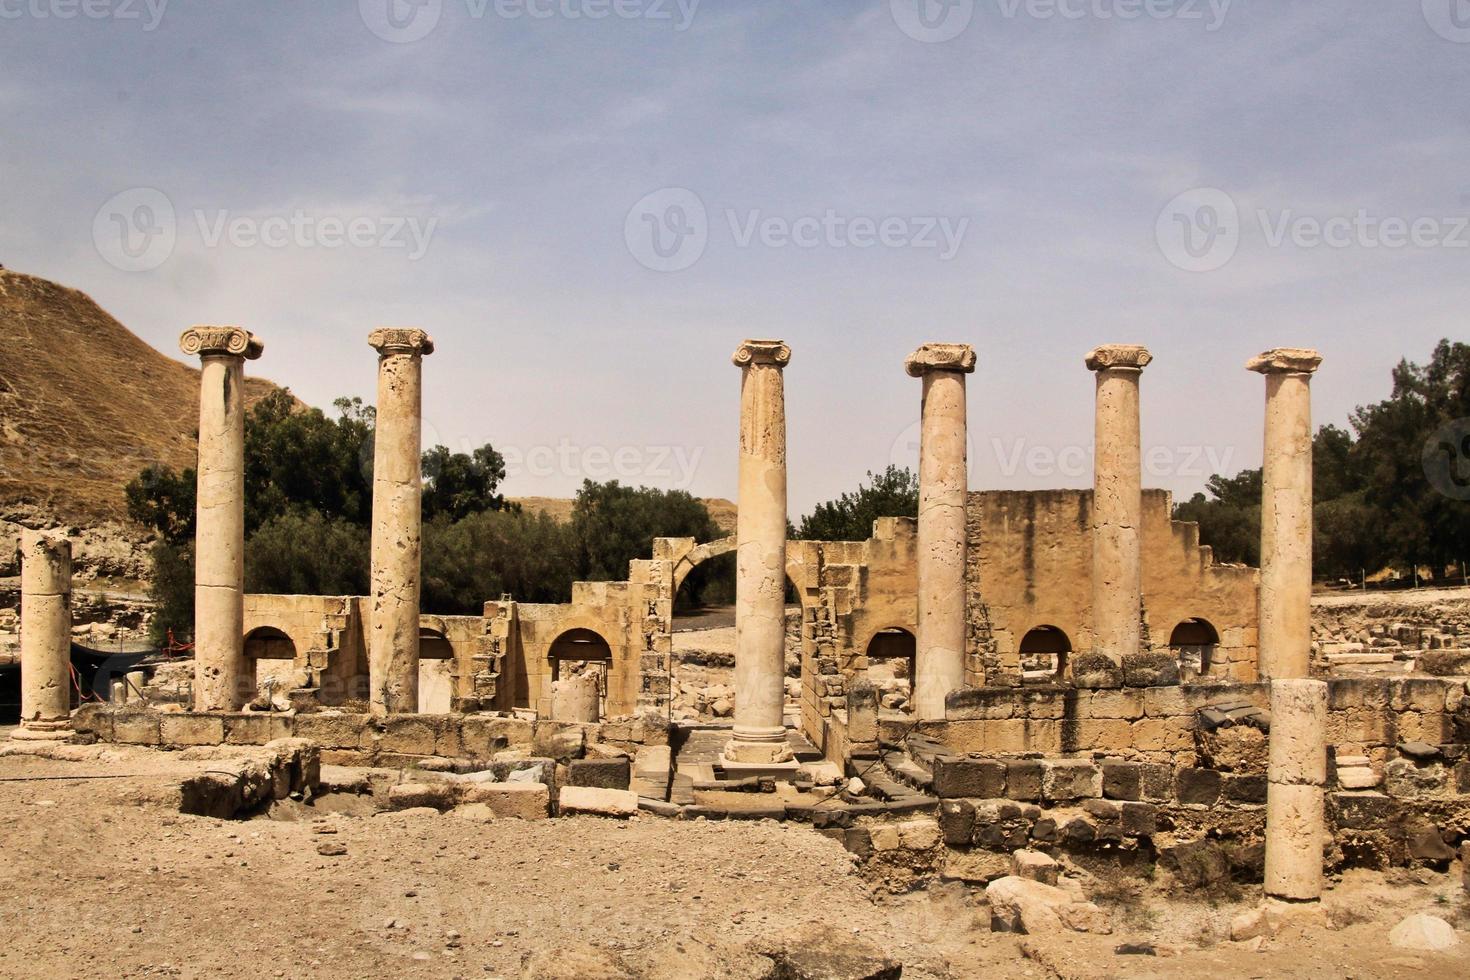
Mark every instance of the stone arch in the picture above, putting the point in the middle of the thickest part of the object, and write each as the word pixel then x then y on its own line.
pixel 1044 651
pixel 1193 642
pixel 579 643
pixel 889 644
pixel 270 659
pixel 698 556
pixel 436 672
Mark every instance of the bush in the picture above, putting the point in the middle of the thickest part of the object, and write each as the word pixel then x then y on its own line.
pixel 528 556
pixel 304 553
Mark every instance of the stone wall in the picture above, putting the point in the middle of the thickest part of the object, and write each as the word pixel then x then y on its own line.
pixel 1030 565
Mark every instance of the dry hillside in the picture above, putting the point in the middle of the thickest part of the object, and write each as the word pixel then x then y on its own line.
pixel 84 403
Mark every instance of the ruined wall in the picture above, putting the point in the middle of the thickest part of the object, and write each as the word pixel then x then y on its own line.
pixel 327 651
pixel 1029 564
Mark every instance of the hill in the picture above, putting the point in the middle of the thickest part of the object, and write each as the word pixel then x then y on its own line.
pixel 85 404
pixel 722 511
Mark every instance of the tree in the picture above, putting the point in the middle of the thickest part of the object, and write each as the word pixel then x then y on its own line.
pixel 458 485
pixel 304 553
pixel 613 524
pixel 165 501
pixel 485 555
pixel 892 493
pixel 298 458
pixel 172 591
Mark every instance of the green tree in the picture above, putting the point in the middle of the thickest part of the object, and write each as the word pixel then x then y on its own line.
pixel 304 553
pixel 613 524
pixel 485 555
pixel 172 590
pixel 892 493
pixel 458 485
pixel 298 458
pixel 165 501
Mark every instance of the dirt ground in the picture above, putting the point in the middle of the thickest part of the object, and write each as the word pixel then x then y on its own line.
pixel 103 878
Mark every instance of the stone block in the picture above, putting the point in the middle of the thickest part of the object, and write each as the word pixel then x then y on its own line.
pixel 597 801
pixel 974 867
pixel 191 729
pixel 1122 780
pixel 528 801
pixel 957 822
pixel 1120 704
pixel 957 777
pixel 558 741
pixel 481 738
pixel 1363 811
pixel 1035 866
pixel 1139 820
pixel 1245 788
pixel 1165 702
pixel 1407 779
pixel 1024 779
pixel 1070 779
pixel 919 835
pixel 1094 671
pixel 1197 786
pixel 1153 669
pixel 600 773
pixel 411 796
pixel 331 731
pixel 256 729
pixel 1158 781
pixel 409 734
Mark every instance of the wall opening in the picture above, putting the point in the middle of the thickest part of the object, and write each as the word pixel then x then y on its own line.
pixel 891 664
pixel 436 673
pixel 270 656
pixel 1044 653
pixel 1194 644
pixel 585 655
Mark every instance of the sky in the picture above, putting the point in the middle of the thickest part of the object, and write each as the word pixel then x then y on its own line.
pixel 590 203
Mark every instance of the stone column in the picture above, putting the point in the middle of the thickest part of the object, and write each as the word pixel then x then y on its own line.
pixel 943 482
pixel 393 646
pixel 1296 773
pixel 760 563
pixel 219 536
pixel 45 637
pixel 1285 617
pixel 1117 503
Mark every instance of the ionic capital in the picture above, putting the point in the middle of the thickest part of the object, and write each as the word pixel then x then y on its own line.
pixel 1285 360
pixel 940 357
pixel 217 341
pixel 401 340
pixel 762 352
pixel 1122 357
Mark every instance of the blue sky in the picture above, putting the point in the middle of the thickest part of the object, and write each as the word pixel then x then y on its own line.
pixel 1033 177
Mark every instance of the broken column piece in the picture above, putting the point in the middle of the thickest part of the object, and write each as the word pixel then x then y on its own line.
pixel 45 637
pixel 943 482
pixel 393 645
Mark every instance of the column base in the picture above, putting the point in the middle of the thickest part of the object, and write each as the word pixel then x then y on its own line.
pixel 43 731
pixel 763 752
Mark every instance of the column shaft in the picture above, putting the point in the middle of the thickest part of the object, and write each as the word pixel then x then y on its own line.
pixel 760 564
pixel 1117 504
pixel 393 644
pixel 219 542
pixel 1285 610
pixel 943 482
pixel 45 636
pixel 1296 774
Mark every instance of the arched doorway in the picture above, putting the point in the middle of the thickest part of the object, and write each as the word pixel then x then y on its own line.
pixel 1193 643
pixel 581 655
pixel 701 683
pixel 270 657
pixel 436 673
pixel 891 654
pixel 1044 653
